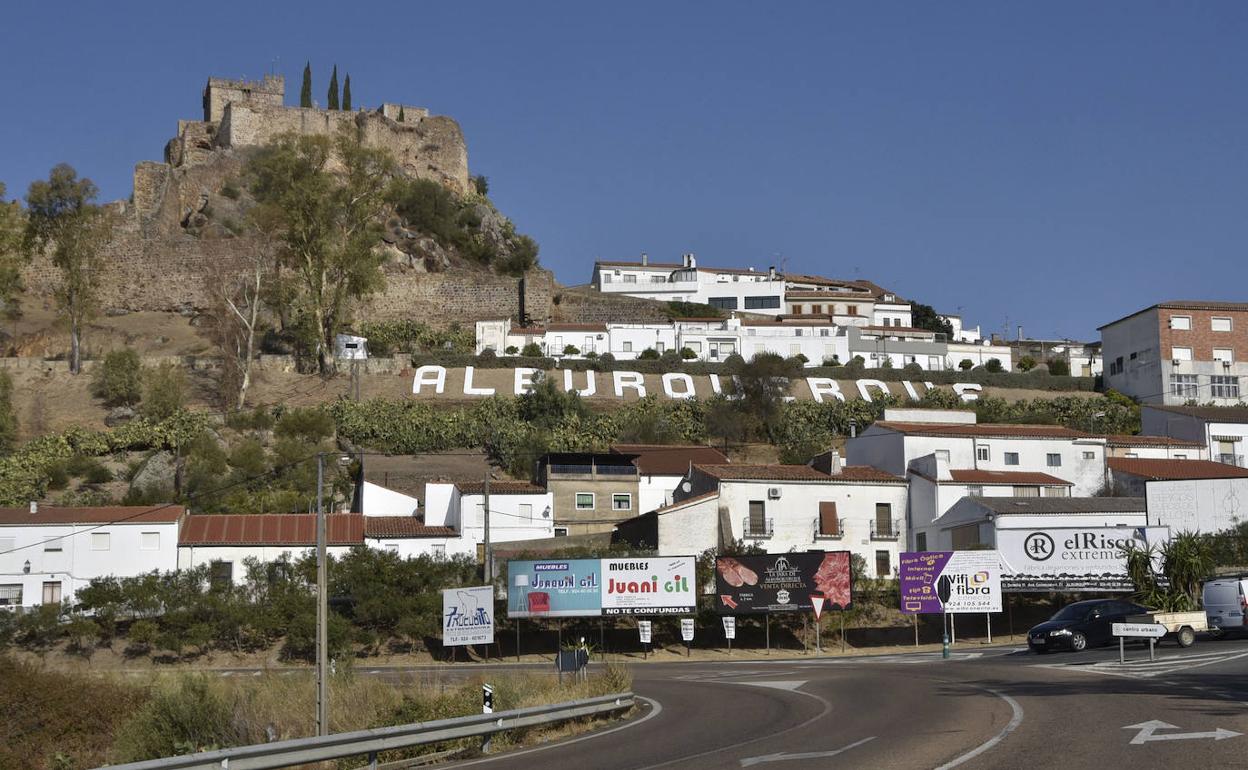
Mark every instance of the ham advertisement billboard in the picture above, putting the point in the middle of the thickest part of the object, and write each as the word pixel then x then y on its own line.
pixel 783 582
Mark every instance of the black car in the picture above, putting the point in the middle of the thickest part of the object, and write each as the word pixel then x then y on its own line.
pixel 1081 625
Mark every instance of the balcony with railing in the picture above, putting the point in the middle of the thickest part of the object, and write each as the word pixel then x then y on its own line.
pixel 820 534
pixel 1237 460
pixel 757 529
pixel 882 530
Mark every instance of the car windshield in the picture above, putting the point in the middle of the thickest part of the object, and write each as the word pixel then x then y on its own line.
pixel 1074 612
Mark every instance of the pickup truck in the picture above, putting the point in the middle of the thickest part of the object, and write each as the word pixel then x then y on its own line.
pixel 1180 626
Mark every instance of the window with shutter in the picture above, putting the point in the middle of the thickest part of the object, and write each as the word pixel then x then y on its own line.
pixel 829 524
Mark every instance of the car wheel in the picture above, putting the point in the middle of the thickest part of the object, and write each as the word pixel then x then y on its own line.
pixel 1078 642
pixel 1187 637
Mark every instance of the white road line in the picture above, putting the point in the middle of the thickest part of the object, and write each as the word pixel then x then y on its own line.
pixel 656 708
pixel 1015 721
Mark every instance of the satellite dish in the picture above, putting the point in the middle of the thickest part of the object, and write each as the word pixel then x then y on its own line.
pixel 685 486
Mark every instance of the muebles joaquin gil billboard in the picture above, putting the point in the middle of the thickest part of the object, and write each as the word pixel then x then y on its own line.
pixel 782 582
pixel 644 585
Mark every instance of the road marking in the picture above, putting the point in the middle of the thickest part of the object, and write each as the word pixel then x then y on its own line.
pixel 790 685
pixel 1015 721
pixel 783 757
pixel 1144 669
pixel 1148 729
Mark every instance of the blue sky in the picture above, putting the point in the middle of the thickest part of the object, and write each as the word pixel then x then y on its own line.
pixel 1054 165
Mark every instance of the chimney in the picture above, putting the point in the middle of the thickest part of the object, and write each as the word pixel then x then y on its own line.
pixel 645 259
pixel 1020 331
pixel 34 507
pixel 771 272
pixel 690 261
pixel 834 463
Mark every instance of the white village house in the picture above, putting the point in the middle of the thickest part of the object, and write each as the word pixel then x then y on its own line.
pixel 225 541
pixel 724 288
pixel 48 553
pixel 1221 430
pixel 662 467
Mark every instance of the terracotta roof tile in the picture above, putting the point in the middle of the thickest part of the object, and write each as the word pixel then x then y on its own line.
pixel 1235 414
pixel 1057 505
pixel 664 460
pixel 499 488
pixel 107 514
pixel 848 474
pixel 297 529
pixel 1169 470
pixel 689 501
pixel 981 430
pixel 1124 440
pixel 974 476
pixel 402 526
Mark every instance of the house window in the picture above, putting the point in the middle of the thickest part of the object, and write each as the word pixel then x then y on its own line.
pixel 851 310
pixel 438 550
pixel 883 564
pixel 696 347
pixel 1181 353
pixel 1180 456
pixel 621 502
pixel 149 541
pixel 795 348
pixel 584 501
pixel 11 595
pixel 816 309
pixel 723 303
pixel 1056 492
pixel 758 516
pixel 829 523
pixel 628 347
pixel 975 490
pixel 53 545
pixel 1053 460
pixel 1184 386
pixel 797 310
pixel 561 531
pixel 1027 491
pixel 526 511
pixel 393 548
pixel 982 454
pixel 1220 324
pixel 759 303
pixel 934 363
pixel 52 592
pixel 1011 458
pixel 920 541
pixel 1223 386
pixel 1181 322
pixel 1089 455
pixel 1132 454
pixel 1225 355
pixel 221 574
pixel 884 519
pixel 630 278
pixel 99 541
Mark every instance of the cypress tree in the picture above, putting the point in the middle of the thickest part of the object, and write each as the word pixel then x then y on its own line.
pixel 333 90
pixel 305 92
pixel 401 115
pixel 346 93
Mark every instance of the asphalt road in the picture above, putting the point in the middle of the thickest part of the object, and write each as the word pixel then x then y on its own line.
pixel 993 708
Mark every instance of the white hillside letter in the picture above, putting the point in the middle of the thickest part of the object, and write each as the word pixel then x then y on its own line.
pixel 633 380
pixel 429 375
pixel 591 383
pixel 524 380
pixel 824 386
pixel 686 390
pixel 469 389
pixel 968 391
pixel 864 387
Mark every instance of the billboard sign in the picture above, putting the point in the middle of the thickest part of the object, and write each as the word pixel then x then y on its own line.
pixel 554 588
pixel 783 582
pixel 652 585
pixel 686 629
pixel 643 631
pixel 468 616
pixel 950 581
pixel 1071 558
pixel 730 627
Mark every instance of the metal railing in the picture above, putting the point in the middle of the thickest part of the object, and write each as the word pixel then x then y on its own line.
pixel 882 531
pixel 757 528
pixel 821 535
pixel 371 742
pixel 1231 459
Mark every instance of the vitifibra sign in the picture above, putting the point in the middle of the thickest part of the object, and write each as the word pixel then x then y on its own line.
pixel 950 581
pixel 468 616
pixel 650 585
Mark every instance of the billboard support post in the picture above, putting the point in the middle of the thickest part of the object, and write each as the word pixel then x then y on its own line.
pixel 818 636
pixel 842 632
pixel 988 620
pixel 518 622
pixel 916 629
pixel 768 633
pixel 944 635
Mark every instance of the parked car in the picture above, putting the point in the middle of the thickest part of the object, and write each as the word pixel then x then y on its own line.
pixel 1081 625
pixel 1226 605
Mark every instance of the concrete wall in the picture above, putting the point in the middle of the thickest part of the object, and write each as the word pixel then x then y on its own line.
pixel 379 501
pixel 564 487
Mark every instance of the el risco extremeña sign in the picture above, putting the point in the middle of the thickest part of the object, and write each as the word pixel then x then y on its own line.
pixel 433 381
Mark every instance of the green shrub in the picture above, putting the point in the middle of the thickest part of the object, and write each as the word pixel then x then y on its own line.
pixel 119 380
pixel 311 424
pixel 230 190
pixel 1059 367
pixel 89 469
pixel 258 418
pixel 571 350
pixel 1026 364
pixel 649 354
pixel 532 350
pixel 687 354
pixel 966 364
pixel 190 716
pixel 512 350
pixel 164 391
pixel 993 366
pixel 8 416
pixel 57 476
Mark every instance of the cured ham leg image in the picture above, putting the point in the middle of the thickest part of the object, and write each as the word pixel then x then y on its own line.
pixel 735 573
pixel 832 579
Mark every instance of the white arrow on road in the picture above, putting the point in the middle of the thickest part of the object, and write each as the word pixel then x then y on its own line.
pixel 783 757
pixel 1148 729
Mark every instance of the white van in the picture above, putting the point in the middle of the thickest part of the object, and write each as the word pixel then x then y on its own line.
pixel 1226 604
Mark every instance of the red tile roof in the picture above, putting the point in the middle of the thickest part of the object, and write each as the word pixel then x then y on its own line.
pixel 499 488
pixel 981 430
pixel 1124 440
pixel 688 501
pixel 829 295
pixel 402 526
pixel 848 474
pixel 270 529
pixel 665 460
pixel 972 476
pixel 107 514
pixel 1170 470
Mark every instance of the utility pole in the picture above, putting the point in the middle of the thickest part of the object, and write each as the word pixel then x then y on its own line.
pixel 485 514
pixel 322 606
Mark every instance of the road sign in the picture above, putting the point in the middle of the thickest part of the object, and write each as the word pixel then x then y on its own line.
pixel 730 627
pixel 686 629
pixel 1140 630
pixel 816 604
pixel 643 630
pixel 487 699
pixel 1148 729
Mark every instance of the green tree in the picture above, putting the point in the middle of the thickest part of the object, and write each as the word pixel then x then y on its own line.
pixel 164 391
pixel 994 366
pixel 547 405
pixel 966 364
pixel 346 93
pixel 305 91
pixel 1059 367
pixel 61 216
pixel 333 90
pixel 12 255
pixel 119 380
pixel 925 317
pixel 8 416
pixel 1026 363
pixel 402 114
pixel 480 183
pixel 330 222
pixel 761 385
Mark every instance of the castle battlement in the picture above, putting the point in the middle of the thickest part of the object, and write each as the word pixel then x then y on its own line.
pixel 270 92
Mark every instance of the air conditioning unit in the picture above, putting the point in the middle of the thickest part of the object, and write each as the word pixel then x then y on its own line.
pixel 773 493
pixel 600 336
pixel 1226 364
pixel 1174 361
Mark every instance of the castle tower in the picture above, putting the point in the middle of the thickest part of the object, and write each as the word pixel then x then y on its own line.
pixel 270 92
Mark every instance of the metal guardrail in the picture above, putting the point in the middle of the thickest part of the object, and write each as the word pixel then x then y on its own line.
pixel 371 742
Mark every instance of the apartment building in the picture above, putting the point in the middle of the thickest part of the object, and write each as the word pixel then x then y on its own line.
pixel 1220 431
pixel 1173 353
pixel 725 288
pixel 589 492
